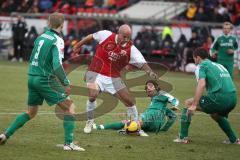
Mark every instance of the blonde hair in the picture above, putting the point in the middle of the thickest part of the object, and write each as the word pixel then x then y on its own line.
pixel 55 20
pixel 228 24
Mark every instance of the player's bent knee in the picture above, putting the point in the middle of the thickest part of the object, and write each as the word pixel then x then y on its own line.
pixel 92 99
pixel 32 111
pixel 65 105
pixel 215 116
pixel 129 104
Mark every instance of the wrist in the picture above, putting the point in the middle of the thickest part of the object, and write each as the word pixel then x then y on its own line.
pixel 66 82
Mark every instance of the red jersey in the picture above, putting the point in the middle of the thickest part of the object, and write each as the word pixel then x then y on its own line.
pixel 110 58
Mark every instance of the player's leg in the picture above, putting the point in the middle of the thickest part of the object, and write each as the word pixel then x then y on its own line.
pixel 171 118
pixel 219 111
pixel 54 93
pixel 125 97
pixel 69 125
pixel 113 125
pixel 93 92
pixel 34 99
pixel 225 126
pixel 20 120
pixel 185 122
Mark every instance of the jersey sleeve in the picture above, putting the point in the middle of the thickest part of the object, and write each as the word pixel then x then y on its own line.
pixel 136 57
pixel 235 44
pixel 57 66
pixel 214 47
pixel 201 72
pixel 170 99
pixel 100 36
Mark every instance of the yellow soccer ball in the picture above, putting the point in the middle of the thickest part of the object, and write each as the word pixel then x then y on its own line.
pixel 132 127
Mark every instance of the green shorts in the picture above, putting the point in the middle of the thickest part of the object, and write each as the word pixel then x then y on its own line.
pixel 41 88
pixel 218 103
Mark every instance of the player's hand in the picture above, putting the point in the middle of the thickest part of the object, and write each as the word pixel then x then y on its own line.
pixel 76 48
pixel 153 75
pixel 68 90
pixel 230 51
pixel 191 110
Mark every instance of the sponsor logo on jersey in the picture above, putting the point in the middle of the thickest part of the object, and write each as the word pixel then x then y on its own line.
pixel 114 56
pixel 226 44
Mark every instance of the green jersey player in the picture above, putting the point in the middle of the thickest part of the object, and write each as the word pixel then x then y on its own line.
pixel 221 97
pixel 225 46
pixel 157 117
pixel 45 69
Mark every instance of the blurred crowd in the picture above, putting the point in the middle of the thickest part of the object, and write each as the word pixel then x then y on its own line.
pixel 213 11
pixel 64 6
pixel 152 42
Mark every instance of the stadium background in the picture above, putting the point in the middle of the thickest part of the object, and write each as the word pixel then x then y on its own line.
pixel 164 31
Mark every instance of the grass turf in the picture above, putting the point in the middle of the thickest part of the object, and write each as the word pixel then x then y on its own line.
pixel 38 138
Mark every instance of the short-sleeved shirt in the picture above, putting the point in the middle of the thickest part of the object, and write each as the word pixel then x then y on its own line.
pixel 46 57
pixel 110 58
pixel 222 44
pixel 217 77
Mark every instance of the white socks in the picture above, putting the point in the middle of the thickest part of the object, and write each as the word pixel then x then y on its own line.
pixel 132 113
pixel 90 109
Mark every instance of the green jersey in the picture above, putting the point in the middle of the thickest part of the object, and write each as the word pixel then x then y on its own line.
pixel 222 44
pixel 217 77
pixel 155 115
pixel 46 57
pixel 161 100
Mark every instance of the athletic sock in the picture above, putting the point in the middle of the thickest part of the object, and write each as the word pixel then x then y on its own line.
pixel 68 125
pixel 225 126
pixel 132 113
pixel 184 123
pixel 18 123
pixel 114 125
pixel 90 109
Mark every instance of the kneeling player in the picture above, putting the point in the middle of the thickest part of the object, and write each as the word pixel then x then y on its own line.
pixel 157 117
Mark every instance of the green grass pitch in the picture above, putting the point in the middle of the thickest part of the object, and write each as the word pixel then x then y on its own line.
pixel 39 137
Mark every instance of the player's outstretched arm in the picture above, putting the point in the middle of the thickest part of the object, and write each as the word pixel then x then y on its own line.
pixel 85 40
pixel 149 71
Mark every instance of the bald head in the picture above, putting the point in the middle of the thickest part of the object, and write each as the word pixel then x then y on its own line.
pixel 125 29
pixel 124 34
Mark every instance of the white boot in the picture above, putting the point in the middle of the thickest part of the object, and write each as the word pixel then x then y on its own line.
pixel 72 147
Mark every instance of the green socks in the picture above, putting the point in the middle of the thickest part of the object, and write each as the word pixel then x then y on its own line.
pixel 18 123
pixel 185 123
pixel 225 126
pixel 68 125
pixel 114 125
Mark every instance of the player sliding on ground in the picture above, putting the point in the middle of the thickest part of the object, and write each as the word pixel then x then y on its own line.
pixel 221 97
pixel 45 67
pixel 157 117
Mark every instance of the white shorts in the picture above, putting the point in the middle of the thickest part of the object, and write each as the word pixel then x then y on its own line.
pixel 105 83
